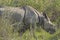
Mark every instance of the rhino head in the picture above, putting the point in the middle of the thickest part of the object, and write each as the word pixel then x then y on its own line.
pixel 47 25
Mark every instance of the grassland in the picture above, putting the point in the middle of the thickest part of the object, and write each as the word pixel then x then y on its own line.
pixel 50 7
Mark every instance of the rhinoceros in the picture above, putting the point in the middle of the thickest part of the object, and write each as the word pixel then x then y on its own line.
pixel 27 17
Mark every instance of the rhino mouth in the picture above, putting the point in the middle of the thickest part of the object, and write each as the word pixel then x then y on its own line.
pixel 51 31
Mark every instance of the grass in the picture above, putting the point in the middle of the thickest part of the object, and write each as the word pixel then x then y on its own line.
pixel 48 6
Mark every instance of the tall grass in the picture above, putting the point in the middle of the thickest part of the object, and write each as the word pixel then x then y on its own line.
pixel 51 7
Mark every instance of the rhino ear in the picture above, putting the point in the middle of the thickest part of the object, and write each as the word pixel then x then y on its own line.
pixel 45 15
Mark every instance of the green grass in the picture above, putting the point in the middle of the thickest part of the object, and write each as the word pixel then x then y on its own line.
pixel 48 6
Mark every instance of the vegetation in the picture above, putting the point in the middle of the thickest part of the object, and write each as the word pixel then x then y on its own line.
pixel 50 7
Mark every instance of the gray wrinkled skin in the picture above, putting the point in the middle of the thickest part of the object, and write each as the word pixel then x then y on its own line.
pixel 27 16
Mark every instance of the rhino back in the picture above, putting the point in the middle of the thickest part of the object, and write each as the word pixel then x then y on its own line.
pixel 30 17
pixel 13 13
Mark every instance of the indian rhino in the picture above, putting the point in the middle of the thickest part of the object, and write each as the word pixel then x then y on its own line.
pixel 26 17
